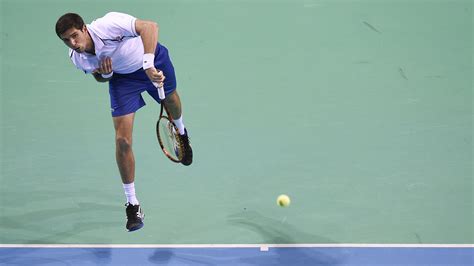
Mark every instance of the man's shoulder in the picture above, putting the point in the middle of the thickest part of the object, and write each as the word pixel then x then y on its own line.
pixel 111 24
pixel 114 14
pixel 110 17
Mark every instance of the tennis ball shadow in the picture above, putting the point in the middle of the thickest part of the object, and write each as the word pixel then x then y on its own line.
pixel 276 232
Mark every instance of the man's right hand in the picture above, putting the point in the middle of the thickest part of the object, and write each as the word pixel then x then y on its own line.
pixel 155 76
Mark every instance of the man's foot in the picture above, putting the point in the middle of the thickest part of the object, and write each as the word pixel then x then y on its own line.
pixel 134 217
pixel 188 151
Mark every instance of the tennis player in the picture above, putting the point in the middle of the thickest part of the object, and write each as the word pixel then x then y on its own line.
pixel 124 51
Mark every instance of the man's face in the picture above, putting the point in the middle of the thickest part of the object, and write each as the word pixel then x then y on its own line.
pixel 76 39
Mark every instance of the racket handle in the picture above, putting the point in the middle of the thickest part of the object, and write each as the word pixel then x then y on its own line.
pixel 161 91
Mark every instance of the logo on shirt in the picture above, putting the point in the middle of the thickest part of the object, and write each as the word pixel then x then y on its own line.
pixel 118 38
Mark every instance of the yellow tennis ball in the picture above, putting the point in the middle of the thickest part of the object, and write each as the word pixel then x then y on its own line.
pixel 283 200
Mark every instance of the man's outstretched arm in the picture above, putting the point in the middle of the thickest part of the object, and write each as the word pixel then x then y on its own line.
pixel 148 31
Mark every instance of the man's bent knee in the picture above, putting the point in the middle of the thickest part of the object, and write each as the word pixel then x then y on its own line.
pixel 124 145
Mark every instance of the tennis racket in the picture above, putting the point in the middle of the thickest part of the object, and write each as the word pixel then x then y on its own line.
pixel 167 132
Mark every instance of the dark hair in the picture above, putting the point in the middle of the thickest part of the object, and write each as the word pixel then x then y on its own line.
pixel 68 21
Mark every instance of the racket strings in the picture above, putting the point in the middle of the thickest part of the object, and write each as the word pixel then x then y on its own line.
pixel 178 146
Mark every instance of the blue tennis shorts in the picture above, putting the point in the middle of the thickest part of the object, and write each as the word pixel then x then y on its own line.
pixel 126 89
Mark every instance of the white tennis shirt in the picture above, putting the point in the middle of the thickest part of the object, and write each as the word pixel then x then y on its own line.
pixel 114 36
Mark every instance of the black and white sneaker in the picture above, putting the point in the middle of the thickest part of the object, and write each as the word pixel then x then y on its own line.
pixel 188 151
pixel 134 217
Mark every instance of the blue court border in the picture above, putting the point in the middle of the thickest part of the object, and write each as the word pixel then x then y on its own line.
pixel 461 255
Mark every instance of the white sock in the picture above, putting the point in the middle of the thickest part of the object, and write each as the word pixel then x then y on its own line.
pixel 179 124
pixel 130 193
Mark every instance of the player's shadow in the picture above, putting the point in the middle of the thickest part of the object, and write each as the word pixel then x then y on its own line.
pixel 161 256
pixel 165 256
pixel 277 232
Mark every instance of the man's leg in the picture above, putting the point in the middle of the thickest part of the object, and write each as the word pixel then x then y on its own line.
pixel 173 104
pixel 123 147
pixel 126 164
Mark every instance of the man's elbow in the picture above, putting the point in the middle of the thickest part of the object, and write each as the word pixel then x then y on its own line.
pixel 153 26
pixel 142 26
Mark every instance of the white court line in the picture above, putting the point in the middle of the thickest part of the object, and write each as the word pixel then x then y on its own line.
pixel 260 246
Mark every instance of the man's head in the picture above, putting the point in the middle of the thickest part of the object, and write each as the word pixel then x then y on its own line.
pixel 72 30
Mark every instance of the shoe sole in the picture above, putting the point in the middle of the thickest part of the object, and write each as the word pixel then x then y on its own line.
pixel 190 161
pixel 135 228
pixel 186 164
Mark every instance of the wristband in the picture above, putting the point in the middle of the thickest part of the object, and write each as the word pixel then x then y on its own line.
pixel 148 61
pixel 106 76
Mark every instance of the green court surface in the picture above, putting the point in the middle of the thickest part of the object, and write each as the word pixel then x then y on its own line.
pixel 361 111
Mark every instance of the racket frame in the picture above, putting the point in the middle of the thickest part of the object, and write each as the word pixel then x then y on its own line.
pixel 162 118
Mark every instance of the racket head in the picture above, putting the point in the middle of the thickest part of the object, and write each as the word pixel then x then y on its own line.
pixel 169 140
